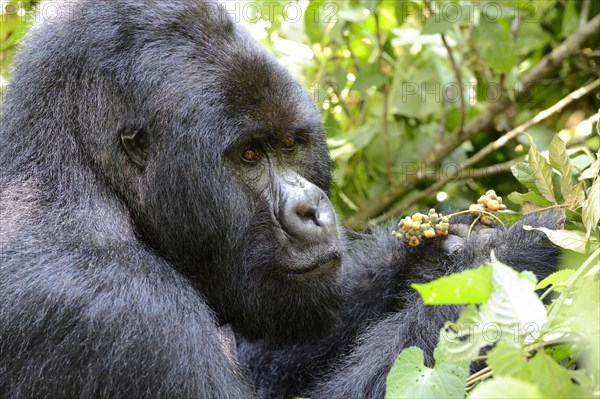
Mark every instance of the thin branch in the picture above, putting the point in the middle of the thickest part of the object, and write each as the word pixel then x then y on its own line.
pixel 460 172
pixel 375 206
pixel 340 99
pixel 476 376
pixel 465 174
pixel 559 106
pixel 442 127
pixel 585 11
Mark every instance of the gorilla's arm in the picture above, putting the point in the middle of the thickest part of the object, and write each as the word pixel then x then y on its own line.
pixel 107 321
pixel 382 318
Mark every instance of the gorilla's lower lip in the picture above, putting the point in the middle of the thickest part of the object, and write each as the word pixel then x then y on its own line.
pixel 324 261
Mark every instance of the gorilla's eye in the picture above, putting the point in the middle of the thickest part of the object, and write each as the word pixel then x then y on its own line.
pixel 250 154
pixel 289 144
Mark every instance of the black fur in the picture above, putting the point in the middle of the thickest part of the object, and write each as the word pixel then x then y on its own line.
pixel 380 320
pixel 131 234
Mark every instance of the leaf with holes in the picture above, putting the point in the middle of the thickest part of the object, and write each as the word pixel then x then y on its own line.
pixel 410 378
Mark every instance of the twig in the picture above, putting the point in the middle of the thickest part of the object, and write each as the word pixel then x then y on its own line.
pixel 340 99
pixel 475 376
pixel 444 119
pixel 461 172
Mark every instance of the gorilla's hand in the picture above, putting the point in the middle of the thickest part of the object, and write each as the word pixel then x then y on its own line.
pixel 462 230
pixel 469 245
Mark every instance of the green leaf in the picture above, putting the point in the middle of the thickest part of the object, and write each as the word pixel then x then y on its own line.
pixel 342 147
pixel 497 44
pixel 513 300
pixel 369 76
pixel 591 208
pixel 558 277
pixel 585 318
pixel 552 379
pixel 591 172
pixel 416 95
pixel 570 20
pixel 541 171
pixel 406 8
pixel 461 341
pixel 531 197
pixel 469 286
pixel 410 378
pixel 507 388
pixel 313 21
pixel 522 173
pixel 507 359
pixel 568 239
pixel 512 311
pixel 559 159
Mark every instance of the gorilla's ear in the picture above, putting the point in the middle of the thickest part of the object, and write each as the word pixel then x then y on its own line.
pixel 134 143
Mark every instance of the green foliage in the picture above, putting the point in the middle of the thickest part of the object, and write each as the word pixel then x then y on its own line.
pixel 14 23
pixel 382 70
pixel 398 83
pixel 410 378
pixel 551 184
pixel 469 286
pixel 539 351
pixel 536 347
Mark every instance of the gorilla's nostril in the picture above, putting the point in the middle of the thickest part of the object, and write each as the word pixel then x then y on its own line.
pixel 309 213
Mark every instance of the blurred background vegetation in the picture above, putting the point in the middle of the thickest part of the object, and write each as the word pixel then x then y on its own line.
pixel 412 93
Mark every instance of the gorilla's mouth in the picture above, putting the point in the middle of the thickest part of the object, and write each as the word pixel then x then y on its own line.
pixel 326 261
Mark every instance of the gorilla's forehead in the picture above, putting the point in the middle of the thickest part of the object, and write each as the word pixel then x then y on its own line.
pixel 185 60
pixel 261 95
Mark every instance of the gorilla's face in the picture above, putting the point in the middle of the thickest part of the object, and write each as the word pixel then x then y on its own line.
pixel 235 177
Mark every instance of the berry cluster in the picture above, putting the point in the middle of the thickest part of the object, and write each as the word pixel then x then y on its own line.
pixel 418 226
pixel 489 202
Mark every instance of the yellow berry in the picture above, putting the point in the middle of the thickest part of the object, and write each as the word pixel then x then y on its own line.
pixel 417 216
pixel 484 199
pixel 491 194
pixel 493 205
pixel 414 243
pixel 429 233
pixel 442 232
pixel 416 225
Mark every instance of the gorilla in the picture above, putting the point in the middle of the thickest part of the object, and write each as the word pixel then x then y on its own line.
pixel 166 228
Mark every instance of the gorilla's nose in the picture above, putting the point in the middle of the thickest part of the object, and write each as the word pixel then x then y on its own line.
pixel 307 213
